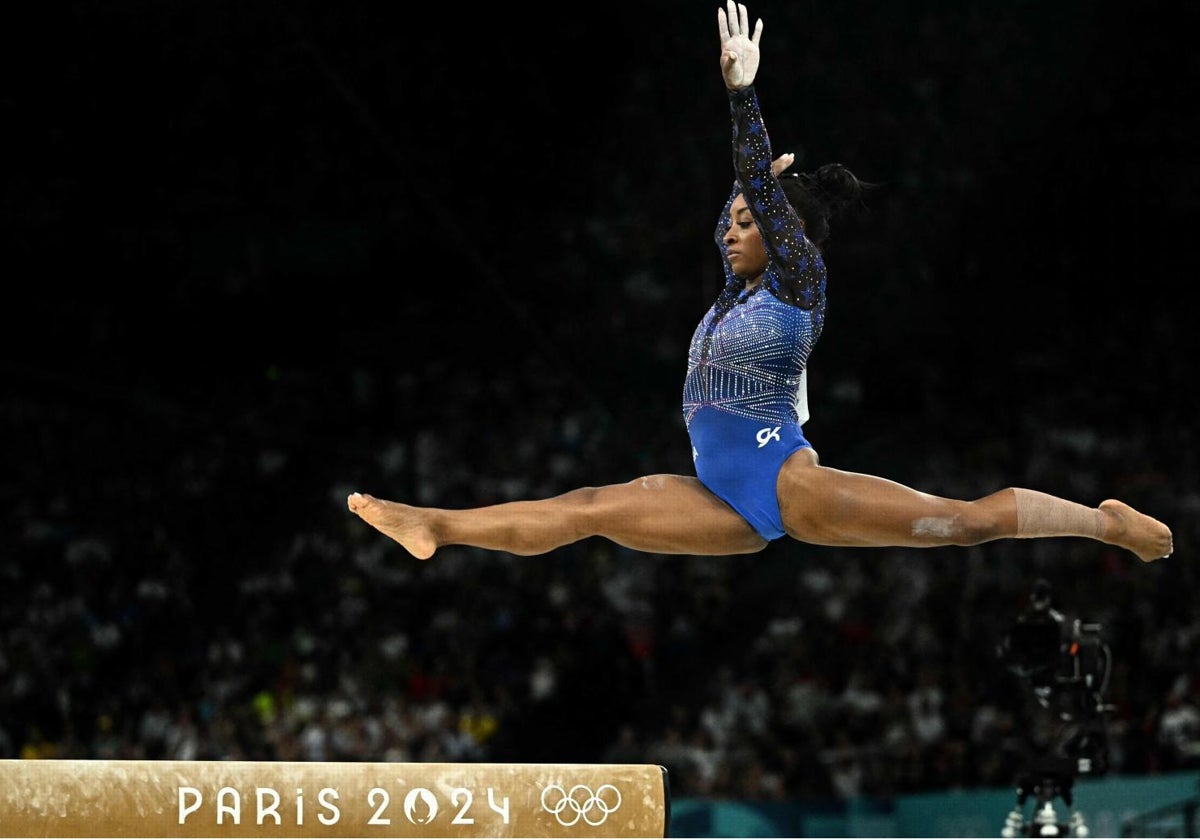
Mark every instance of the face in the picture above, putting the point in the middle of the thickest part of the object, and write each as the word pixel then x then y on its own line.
pixel 743 243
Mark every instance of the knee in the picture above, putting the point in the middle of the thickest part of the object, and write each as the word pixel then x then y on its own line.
pixel 960 523
pixel 587 504
pixel 978 523
pixel 595 509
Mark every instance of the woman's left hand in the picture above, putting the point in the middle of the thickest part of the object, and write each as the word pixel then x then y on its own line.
pixel 739 47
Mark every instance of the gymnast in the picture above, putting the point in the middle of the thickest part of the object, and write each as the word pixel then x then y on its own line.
pixel 757 478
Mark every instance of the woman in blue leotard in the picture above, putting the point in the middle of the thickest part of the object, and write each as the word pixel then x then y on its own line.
pixel 757 477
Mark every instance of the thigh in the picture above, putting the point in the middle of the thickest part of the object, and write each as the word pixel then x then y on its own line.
pixel 826 506
pixel 672 514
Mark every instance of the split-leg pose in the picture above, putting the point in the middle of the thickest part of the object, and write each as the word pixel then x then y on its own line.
pixel 674 514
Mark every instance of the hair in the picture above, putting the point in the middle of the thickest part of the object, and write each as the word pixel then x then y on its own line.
pixel 819 196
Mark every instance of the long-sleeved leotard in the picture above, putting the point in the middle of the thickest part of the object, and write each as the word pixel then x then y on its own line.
pixel 744 395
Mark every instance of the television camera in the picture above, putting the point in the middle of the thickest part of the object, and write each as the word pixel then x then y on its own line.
pixel 1064 662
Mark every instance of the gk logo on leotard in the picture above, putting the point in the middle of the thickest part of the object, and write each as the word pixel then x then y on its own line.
pixel 765 436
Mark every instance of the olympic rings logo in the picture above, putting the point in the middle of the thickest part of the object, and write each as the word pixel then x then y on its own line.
pixel 579 803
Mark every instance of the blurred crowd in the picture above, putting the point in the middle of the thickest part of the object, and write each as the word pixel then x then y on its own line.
pixel 181 578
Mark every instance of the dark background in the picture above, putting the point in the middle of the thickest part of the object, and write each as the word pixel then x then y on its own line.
pixel 263 254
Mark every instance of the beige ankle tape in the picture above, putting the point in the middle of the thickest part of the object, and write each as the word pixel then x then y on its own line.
pixel 1043 515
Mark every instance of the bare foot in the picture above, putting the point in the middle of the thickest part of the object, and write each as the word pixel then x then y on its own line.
pixel 1145 536
pixel 403 523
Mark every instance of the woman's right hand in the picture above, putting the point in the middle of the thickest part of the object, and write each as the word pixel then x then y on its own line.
pixel 781 163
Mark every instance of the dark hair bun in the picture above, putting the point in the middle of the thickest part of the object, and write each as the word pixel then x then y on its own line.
pixel 838 186
pixel 820 195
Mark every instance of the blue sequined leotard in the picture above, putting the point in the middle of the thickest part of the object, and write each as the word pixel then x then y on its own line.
pixel 744 397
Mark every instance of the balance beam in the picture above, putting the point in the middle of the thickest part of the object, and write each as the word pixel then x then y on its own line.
pixel 127 798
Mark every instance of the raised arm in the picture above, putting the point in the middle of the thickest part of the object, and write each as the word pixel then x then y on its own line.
pixel 796 271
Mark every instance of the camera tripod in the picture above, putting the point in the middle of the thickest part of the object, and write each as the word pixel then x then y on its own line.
pixel 1048 780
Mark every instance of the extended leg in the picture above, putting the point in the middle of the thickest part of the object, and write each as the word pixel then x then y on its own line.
pixel 665 514
pixel 825 506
